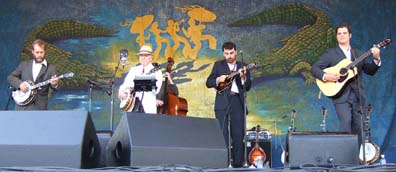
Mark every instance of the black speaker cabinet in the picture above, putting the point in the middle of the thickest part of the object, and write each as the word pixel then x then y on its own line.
pixel 48 138
pixel 149 139
pixel 322 148
pixel 265 145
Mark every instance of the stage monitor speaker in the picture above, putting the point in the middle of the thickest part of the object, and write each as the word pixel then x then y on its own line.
pixel 48 138
pixel 265 145
pixel 149 140
pixel 322 149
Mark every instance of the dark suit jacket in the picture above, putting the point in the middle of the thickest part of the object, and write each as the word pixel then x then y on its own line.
pixel 24 73
pixel 221 68
pixel 335 55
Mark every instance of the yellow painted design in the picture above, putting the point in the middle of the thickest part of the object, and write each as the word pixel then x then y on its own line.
pixel 159 40
pixel 138 26
pixel 198 15
pixel 173 28
pixel 191 35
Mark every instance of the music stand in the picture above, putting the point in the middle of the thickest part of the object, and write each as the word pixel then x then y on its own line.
pixel 145 83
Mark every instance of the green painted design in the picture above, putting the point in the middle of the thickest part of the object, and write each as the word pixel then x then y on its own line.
pixel 299 50
pixel 56 30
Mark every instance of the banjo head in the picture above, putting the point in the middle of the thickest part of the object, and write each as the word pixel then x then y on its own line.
pixel 24 98
pixel 372 152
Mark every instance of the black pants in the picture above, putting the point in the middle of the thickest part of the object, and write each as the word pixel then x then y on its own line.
pixel 237 128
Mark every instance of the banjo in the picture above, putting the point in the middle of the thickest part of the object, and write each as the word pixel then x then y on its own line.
pixel 128 103
pixel 371 150
pixel 24 98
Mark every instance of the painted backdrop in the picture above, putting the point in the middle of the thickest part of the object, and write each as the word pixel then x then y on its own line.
pixel 283 37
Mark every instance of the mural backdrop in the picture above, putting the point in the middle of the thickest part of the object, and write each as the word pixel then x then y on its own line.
pixel 283 37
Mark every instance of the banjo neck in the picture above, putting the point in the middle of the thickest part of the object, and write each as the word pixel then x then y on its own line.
pixel 66 75
pixel 367 124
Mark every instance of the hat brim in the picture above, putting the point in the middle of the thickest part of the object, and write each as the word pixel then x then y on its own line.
pixel 144 52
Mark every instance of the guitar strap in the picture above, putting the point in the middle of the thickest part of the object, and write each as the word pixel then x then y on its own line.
pixel 353 57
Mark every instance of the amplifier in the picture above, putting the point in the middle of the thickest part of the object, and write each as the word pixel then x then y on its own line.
pixel 262 135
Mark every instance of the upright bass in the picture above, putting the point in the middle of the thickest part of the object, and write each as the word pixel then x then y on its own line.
pixel 173 105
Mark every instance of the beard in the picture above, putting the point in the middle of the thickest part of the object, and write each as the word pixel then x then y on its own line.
pixel 230 60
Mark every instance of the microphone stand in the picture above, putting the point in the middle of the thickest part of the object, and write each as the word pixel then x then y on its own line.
pixel 11 89
pixel 112 95
pixel 90 97
pixel 93 85
pixel 244 120
pixel 228 117
pixel 361 102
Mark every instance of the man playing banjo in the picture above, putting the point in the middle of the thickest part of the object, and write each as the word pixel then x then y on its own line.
pixel 30 72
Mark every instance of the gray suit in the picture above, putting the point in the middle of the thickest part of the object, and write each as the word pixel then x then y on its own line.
pixel 24 73
pixel 348 102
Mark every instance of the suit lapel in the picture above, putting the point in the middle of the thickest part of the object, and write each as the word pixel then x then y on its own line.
pixel 29 68
pixel 225 67
pixel 41 73
pixel 340 54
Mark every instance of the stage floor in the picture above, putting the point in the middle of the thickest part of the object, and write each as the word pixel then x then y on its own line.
pixel 181 168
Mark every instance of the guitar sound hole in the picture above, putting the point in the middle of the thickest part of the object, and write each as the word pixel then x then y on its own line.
pixel 343 71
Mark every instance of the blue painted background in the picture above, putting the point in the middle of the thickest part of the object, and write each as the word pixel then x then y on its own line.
pixel 371 20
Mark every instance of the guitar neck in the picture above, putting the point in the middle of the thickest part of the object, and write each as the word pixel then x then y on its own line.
pixel 359 59
pixel 234 73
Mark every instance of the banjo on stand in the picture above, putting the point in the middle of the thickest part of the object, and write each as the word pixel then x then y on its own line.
pixel 371 150
pixel 292 128
pixel 25 98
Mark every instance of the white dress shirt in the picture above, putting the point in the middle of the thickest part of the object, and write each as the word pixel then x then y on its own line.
pixel 148 98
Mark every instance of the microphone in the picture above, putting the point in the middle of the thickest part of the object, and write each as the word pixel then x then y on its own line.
pixel 123 57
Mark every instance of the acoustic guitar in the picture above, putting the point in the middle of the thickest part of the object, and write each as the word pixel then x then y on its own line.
pixel 347 70
pixel 25 98
pixel 257 154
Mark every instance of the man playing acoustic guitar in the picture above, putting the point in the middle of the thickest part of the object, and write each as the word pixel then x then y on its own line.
pixel 349 100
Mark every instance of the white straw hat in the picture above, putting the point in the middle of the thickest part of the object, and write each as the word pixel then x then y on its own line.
pixel 145 49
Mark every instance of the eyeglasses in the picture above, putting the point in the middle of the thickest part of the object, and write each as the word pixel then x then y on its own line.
pixel 144 55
